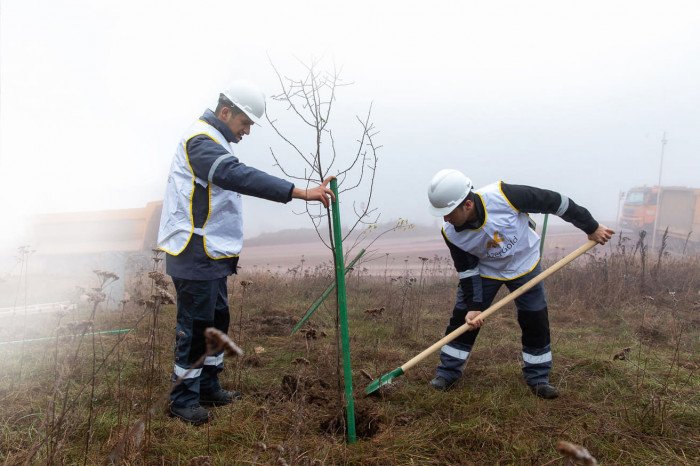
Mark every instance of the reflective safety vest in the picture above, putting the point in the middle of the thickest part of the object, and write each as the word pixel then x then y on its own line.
pixel 505 245
pixel 223 228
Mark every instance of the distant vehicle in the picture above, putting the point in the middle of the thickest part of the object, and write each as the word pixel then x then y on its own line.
pixel 106 231
pixel 678 209
pixel 71 243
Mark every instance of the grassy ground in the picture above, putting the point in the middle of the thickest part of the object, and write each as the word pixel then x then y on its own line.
pixel 642 409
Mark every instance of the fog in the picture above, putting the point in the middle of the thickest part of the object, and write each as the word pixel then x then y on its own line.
pixel 570 96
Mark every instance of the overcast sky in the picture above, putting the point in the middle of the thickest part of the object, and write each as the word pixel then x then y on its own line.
pixel 571 96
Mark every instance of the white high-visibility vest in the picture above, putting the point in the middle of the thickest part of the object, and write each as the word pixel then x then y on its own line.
pixel 505 244
pixel 223 228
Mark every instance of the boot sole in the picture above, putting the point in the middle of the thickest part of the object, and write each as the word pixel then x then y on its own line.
pixel 553 396
pixel 443 388
pixel 189 421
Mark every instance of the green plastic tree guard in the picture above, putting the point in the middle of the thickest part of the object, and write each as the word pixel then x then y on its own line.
pixel 324 295
pixel 544 233
pixel 343 313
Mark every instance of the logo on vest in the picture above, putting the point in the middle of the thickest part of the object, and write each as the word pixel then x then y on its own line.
pixel 493 243
pixel 502 245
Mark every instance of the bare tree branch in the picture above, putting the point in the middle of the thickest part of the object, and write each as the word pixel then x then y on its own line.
pixel 285 91
pixel 312 98
pixel 289 175
pixel 272 124
pixel 330 134
pixel 361 142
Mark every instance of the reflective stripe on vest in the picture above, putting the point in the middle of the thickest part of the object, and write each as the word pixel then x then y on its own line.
pixel 505 245
pixel 222 231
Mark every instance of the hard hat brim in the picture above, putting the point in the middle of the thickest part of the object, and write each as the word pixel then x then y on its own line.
pixel 442 211
pixel 242 108
pixel 253 118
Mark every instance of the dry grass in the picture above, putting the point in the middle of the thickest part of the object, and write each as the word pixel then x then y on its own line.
pixel 642 408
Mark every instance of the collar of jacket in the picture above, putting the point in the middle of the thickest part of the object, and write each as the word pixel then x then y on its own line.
pixel 210 117
pixel 479 204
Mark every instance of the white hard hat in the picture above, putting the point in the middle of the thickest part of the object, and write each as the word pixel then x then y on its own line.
pixel 248 97
pixel 448 188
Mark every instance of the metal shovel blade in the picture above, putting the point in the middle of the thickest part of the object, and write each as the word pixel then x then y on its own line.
pixel 383 380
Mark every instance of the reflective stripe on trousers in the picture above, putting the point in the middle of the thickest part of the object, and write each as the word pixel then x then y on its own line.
pixel 532 318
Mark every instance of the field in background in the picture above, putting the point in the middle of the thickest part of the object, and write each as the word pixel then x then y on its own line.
pixel 393 253
pixel 44 278
pixel 74 399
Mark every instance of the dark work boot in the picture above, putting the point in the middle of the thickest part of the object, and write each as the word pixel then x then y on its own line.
pixel 193 414
pixel 441 383
pixel 220 397
pixel 544 390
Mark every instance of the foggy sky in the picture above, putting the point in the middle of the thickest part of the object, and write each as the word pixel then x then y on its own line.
pixel 570 96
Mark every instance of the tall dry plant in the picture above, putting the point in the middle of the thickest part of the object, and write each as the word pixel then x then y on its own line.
pixel 642 248
pixel 159 296
pixel 421 289
pixel 685 243
pixel 245 284
pixel 96 295
pixel 23 253
pixel 55 419
pixel 664 244
pixel 132 440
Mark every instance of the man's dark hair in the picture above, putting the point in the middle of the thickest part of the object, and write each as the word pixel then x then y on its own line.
pixel 470 197
pixel 224 102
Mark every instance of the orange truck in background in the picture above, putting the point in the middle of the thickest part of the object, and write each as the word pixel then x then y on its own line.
pixel 69 245
pixel 105 231
pixel 678 209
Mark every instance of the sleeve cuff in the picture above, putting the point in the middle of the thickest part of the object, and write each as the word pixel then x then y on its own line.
pixel 592 228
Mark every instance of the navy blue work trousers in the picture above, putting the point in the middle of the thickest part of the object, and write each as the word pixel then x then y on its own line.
pixel 200 304
pixel 532 317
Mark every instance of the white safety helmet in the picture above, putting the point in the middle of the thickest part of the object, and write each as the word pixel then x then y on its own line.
pixel 447 190
pixel 248 97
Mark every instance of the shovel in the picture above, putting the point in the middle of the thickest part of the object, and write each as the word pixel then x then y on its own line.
pixel 399 371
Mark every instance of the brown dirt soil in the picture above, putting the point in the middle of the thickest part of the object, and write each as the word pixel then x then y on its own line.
pixel 651 331
pixel 368 421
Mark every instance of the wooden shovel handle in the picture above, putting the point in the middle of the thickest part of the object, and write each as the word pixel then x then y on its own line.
pixel 507 299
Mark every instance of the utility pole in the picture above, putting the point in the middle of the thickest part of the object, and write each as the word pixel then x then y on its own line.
pixel 658 194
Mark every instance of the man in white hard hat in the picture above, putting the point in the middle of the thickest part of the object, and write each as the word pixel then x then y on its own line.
pixel 492 243
pixel 201 231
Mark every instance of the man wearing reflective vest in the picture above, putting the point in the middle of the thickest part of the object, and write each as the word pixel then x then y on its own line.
pixel 201 231
pixel 492 243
